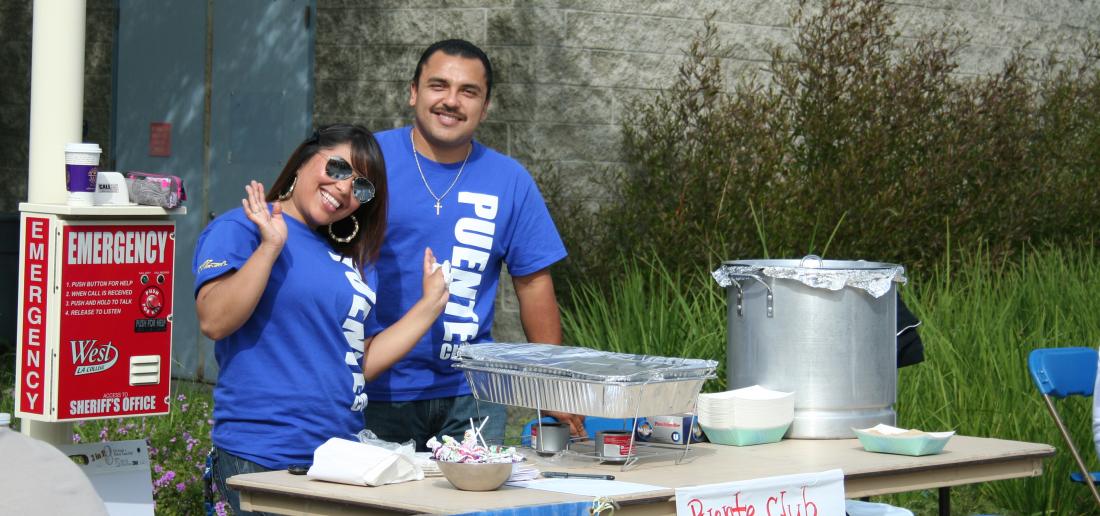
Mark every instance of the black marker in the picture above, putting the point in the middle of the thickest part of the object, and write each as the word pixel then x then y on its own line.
pixel 559 474
pixel 298 469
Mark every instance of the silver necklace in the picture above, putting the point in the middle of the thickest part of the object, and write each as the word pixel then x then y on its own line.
pixel 438 198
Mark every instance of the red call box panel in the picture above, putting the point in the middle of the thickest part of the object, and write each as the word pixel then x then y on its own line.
pixel 95 332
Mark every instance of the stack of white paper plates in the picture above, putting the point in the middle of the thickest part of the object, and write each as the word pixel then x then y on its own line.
pixel 752 415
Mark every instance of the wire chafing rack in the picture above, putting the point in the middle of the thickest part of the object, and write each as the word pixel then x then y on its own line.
pixel 586 381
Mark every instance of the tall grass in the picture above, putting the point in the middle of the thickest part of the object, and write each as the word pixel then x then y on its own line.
pixel 651 311
pixel 980 321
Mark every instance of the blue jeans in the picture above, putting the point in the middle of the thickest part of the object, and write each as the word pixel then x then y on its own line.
pixel 227 465
pixel 401 421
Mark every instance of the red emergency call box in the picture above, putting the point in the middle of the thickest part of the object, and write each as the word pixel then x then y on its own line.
pixel 95 326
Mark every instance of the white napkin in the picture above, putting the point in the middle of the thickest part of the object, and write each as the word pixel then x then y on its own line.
pixel 890 431
pixel 446 266
pixel 521 472
pixel 427 465
pixel 349 462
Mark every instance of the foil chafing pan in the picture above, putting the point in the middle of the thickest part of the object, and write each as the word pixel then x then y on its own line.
pixel 582 380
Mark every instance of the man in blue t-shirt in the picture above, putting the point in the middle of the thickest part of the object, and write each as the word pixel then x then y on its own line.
pixel 476 208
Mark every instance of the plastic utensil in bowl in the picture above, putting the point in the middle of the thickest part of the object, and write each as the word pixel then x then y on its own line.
pixel 473 476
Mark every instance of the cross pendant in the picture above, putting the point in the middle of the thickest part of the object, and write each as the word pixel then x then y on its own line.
pixel 437 207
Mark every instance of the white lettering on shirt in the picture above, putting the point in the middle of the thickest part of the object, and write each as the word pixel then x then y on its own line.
pixel 469 260
pixel 353 329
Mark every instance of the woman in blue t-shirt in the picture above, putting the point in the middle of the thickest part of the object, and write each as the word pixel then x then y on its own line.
pixel 285 288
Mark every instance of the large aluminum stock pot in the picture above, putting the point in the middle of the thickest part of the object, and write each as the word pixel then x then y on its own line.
pixel 825 329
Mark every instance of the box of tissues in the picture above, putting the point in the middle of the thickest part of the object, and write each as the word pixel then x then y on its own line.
pixel 111 190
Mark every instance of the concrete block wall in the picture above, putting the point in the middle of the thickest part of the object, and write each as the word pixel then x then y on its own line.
pixel 15 90
pixel 566 70
pixel 15 101
pixel 99 52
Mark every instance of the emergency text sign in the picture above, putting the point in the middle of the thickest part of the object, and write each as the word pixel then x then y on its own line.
pixel 36 252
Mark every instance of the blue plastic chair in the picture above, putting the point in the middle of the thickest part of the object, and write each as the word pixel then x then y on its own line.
pixel 1062 372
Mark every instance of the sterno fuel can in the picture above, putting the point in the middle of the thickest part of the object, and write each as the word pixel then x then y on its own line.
pixel 614 446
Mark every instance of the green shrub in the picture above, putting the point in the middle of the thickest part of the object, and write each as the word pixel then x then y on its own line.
pixel 178 444
pixel 7 381
pixel 855 143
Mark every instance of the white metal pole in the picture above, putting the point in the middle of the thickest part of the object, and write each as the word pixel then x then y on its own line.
pixel 57 114
pixel 57 95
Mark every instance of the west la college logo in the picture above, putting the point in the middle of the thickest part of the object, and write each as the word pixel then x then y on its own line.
pixel 91 356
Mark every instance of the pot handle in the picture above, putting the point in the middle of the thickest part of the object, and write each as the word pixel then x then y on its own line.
pixel 903 330
pixel 740 292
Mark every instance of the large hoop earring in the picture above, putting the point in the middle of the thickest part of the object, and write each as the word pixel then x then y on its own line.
pixel 286 195
pixel 354 231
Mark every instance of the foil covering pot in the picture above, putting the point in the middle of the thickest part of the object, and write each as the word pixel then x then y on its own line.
pixel 824 329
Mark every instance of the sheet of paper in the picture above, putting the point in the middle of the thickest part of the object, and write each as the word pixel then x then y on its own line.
pixel 586 487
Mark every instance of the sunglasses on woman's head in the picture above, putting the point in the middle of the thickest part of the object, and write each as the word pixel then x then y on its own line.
pixel 339 169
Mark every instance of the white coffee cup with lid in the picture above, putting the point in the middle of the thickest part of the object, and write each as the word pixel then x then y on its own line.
pixel 81 168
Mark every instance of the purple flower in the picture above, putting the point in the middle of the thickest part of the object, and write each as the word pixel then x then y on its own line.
pixel 157 469
pixel 164 479
pixel 191 441
pixel 181 486
pixel 103 434
pixel 181 397
pixel 219 508
pixel 76 438
pixel 183 408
